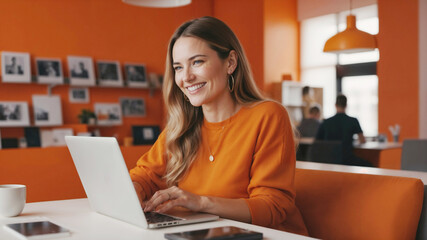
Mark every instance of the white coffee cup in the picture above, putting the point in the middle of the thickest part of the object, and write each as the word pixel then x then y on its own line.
pixel 12 199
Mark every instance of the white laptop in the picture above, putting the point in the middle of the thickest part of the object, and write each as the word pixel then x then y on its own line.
pixel 105 177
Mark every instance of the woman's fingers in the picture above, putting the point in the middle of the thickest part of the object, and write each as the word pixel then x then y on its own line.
pixel 158 198
pixel 164 200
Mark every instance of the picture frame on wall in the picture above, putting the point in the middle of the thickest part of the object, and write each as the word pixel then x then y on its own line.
pixel 109 73
pixel 81 71
pixel 15 67
pixel 136 75
pixel 14 114
pixel 47 110
pixel 108 113
pixel 49 70
pixel 132 107
pixel 145 135
pixel 79 95
pixel 59 134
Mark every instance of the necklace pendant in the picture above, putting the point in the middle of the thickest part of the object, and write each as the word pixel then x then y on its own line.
pixel 211 158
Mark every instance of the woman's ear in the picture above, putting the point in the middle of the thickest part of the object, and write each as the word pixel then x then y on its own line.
pixel 232 62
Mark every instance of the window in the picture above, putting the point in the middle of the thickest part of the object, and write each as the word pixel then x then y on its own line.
pixel 320 69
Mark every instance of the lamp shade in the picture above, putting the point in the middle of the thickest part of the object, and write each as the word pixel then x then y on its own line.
pixel 351 40
pixel 158 3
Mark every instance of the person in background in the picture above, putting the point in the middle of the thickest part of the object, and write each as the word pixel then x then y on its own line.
pixel 225 149
pixel 309 126
pixel 307 101
pixel 342 127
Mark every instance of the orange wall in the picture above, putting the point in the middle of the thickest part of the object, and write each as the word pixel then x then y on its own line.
pixel 281 41
pixel 102 29
pixel 398 67
pixel 245 18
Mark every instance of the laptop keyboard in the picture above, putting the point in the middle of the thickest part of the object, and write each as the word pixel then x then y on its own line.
pixel 154 217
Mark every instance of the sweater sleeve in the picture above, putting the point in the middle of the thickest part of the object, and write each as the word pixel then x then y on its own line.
pixel 150 168
pixel 271 189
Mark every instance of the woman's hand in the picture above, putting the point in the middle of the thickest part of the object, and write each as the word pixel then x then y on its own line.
pixel 163 200
pixel 139 192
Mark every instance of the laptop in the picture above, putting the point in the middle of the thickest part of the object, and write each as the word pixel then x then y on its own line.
pixel 109 188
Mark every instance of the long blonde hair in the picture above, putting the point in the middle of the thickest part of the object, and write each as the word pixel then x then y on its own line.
pixel 184 121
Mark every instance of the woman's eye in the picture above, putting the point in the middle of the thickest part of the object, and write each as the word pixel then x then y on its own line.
pixel 197 62
pixel 177 68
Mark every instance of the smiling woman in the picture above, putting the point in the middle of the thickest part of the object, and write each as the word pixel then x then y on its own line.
pixel 225 149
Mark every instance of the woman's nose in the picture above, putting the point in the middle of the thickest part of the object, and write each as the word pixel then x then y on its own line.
pixel 188 75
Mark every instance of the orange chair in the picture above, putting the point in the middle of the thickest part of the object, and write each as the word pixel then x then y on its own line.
pixel 338 205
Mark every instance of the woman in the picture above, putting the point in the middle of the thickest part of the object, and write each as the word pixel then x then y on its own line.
pixel 225 150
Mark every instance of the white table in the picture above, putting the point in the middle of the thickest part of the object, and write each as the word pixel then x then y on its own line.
pixel 85 224
pixel 367 145
pixel 363 170
pixel 380 154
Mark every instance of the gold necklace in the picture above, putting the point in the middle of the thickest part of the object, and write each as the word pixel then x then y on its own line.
pixel 211 155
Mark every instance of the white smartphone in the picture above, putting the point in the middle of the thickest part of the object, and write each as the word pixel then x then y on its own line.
pixel 37 230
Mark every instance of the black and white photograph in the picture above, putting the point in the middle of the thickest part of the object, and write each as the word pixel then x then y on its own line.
pixel 79 95
pixel 16 67
pixel 81 71
pixel 47 110
pixel 109 73
pixel 49 70
pixel 132 107
pixel 136 75
pixel 108 113
pixel 14 114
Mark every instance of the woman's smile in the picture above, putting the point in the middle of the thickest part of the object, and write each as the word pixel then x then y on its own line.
pixel 193 88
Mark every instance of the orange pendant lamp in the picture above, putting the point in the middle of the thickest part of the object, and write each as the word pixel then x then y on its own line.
pixel 351 40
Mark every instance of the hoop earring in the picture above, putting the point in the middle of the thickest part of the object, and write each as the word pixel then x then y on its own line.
pixel 186 98
pixel 231 85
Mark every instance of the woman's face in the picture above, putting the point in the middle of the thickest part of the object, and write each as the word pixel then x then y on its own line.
pixel 199 72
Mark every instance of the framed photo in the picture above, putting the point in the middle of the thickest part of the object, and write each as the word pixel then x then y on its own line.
pixel 14 114
pixel 58 136
pixel 79 95
pixel 108 113
pixel 143 135
pixel 81 71
pixel 136 76
pixel 132 107
pixel 109 73
pixel 47 110
pixel 16 67
pixel 49 70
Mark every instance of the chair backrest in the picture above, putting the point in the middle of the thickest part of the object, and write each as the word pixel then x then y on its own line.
pixel 414 155
pixel 326 152
pixel 340 205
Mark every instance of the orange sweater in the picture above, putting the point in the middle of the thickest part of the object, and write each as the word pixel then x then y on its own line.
pixel 254 160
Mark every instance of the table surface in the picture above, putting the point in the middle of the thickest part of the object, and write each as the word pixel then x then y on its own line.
pixel 363 170
pixel 367 145
pixel 77 216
